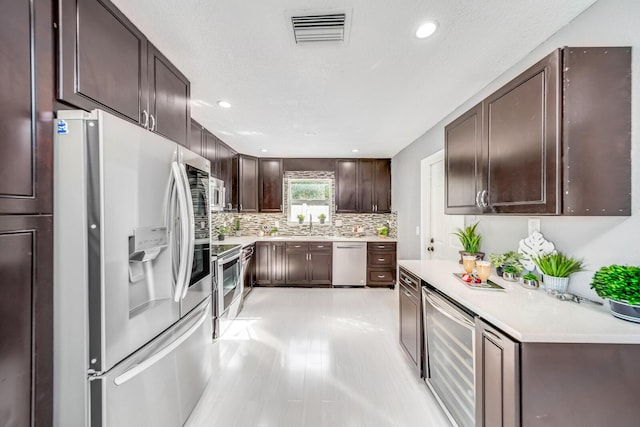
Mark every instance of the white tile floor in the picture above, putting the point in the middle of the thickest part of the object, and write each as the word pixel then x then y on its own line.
pixel 315 357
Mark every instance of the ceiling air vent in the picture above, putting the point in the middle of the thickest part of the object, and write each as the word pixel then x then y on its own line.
pixel 319 28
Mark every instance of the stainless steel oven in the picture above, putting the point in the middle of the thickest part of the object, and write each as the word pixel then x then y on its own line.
pixel 228 287
pixel 449 332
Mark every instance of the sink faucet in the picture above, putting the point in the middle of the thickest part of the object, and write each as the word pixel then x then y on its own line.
pixel 310 224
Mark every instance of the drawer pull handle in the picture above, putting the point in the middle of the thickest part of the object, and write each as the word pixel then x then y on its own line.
pixel 381 276
pixel 381 259
pixel 407 294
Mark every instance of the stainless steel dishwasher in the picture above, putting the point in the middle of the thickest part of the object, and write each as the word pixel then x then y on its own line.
pixel 349 263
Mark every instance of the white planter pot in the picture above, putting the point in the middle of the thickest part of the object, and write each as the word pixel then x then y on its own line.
pixel 552 283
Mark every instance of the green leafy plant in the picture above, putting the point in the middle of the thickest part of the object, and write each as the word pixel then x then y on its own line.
pixel 619 283
pixel 383 231
pixel 273 230
pixel 322 217
pixel 469 239
pixel 300 217
pixel 530 276
pixel 237 224
pixel 508 259
pixel 223 230
pixel 558 265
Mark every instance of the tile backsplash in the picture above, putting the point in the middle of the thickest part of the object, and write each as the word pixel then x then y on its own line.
pixel 252 223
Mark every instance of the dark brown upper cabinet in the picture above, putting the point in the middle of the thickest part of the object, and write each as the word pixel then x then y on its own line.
pixel 106 62
pixel 463 166
pixel 346 186
pixel 196 139
pixel 270 185
pixel 26 95
pixel 209 147
pixel 247 183
pixel 554 140
pixel 363 185
pixel 224 168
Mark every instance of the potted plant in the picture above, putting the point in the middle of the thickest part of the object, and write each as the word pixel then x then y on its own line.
pixel 237 227
pixel 274 231
pixel 619 284
pixel 470 241
pixel 222 231
pixel 507 259
pixel 511 273
pixel 383 232
pixel 530 281
pixel 556 269
pixel 300 218
pixel 321 218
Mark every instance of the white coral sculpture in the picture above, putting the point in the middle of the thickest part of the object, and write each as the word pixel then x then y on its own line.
pixel 534 246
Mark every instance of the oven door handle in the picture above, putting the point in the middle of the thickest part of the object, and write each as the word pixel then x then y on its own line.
pixel 225 259
pixel 466 323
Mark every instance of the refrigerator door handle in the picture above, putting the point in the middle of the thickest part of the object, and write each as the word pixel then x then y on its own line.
pixel 191 238
pixel 165 351
pixel 184 232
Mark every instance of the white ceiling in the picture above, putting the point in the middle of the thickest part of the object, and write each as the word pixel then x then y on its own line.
pixel 377 92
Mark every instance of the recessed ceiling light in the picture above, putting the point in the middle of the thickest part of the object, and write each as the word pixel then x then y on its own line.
pixel 263 150
pixel 426 29
pixel 355 150
pixel 224 104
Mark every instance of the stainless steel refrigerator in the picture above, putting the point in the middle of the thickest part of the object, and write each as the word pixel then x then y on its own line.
pixel 132 279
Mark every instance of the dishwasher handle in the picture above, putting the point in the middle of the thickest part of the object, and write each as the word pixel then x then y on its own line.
pixel 351 247
pixel 448 311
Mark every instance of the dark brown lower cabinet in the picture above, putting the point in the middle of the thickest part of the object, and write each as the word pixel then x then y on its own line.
pixel 497 378
pixel 308 263
pixel 381 264
pixel 270 263
pixel 554 384
pixel 26 320
pixel 411 318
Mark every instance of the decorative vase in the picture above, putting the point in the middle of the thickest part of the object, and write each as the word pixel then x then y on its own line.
pixel 220 236
pixel 300 221
pixel 238 233
pixel 530 283
pixel 321 220
pixel 479 255
pixel 499 271
pixel 558 284
pixel 510 277
pixel 625 311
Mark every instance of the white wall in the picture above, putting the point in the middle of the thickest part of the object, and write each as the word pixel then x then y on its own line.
pixel 599 240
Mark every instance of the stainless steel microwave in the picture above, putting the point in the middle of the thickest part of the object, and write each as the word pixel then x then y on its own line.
pixel 217 194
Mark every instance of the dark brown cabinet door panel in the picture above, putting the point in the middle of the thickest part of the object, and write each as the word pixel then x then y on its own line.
pixel 278 263
pixel 320 266
pixel 248 183
pixel 346 186
pixel 523 141
pixel 25 155
pixel 270 186
pixel 196 139
pixel 263 263
pixel 382 185
pixel 463 163
pixel 169 92
pixel 209 151
pixel 110 70
pixel 296 264
pixel 26 319
pixel 366 185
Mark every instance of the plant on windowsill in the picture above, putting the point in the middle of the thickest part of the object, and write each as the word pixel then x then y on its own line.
pixel 321 218
pixel 222 231
pixel 470 241
pixel 556 269
pixel 620 284
pixel 300 218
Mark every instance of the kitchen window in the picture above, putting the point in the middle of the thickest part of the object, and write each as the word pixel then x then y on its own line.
pixel 309 197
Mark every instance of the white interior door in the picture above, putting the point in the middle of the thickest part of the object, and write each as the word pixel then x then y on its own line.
pixel 437 240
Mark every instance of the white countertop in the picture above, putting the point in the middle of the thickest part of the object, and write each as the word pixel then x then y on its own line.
pixel 528 315
pixel 248 240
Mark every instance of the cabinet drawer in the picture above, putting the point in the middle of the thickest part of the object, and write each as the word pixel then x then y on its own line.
pixel 381 259
pixel 381 247
pixel 409 281
pixel 301 246
pixel 320 246
pixel 380 276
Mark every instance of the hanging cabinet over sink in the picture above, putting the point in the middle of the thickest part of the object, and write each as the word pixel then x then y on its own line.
pixel 555 140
